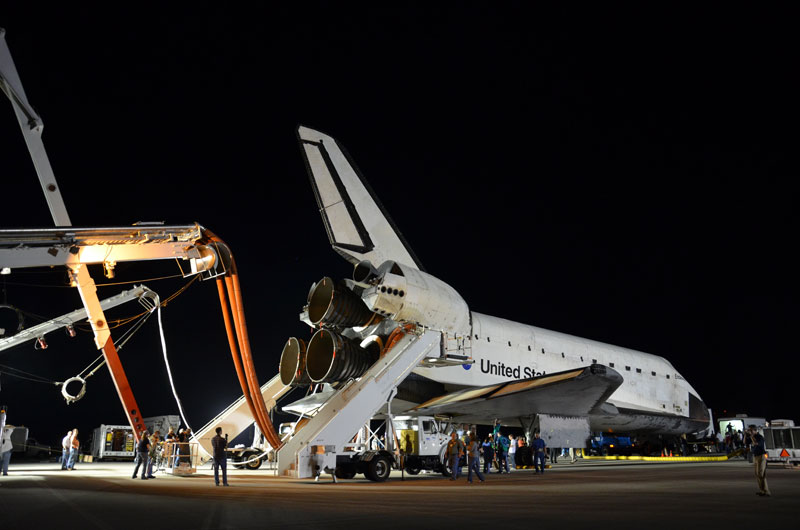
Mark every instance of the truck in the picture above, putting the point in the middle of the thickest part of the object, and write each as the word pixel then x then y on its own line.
pixel 782 440
pixel 421 442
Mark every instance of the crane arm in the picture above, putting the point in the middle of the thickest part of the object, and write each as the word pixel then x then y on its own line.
pixel 32 127
pixel 79 315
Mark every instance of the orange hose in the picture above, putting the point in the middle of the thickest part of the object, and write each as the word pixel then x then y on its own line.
pixel 237 362
pixel 245 367
pixel 247 358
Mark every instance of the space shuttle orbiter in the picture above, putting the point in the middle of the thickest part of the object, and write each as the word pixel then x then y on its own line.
pixel 489 368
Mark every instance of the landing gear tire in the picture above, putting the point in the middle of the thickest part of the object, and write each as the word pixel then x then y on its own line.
pixel 237 462
pixel 252 464
pixel 345 472
pixel 378 469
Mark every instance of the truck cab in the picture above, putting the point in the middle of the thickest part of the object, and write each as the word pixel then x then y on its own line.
pixel 422 440
pixel 421 444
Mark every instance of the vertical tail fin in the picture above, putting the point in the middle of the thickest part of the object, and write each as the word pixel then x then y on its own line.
pixel 358 227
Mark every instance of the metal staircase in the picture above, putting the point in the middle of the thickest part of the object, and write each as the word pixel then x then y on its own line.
pixel 237 417
pixel 315 446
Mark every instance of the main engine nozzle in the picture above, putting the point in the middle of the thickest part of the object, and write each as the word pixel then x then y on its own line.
pixel 332 304
pixel 293 363
pixel 331 358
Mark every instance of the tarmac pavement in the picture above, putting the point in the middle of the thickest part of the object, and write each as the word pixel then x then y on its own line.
pixel 582 495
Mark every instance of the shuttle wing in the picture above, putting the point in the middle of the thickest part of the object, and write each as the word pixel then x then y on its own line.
pixel 358 226
pixel 572 393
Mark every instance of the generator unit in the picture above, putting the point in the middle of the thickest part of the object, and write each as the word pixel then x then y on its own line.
pixel 113 442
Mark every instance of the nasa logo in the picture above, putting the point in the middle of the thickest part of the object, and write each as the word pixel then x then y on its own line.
pixel 466 366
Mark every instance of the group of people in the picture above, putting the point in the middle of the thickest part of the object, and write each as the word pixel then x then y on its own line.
pixel 502 451
pixel 70 449
pixel 496 449
pixel 734 440
pixel 146 453
pixel 174 447
pixel 457 449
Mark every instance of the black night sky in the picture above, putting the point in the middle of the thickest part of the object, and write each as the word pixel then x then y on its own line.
pixel 621 175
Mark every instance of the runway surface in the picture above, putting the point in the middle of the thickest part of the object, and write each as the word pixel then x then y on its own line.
pixel 582 495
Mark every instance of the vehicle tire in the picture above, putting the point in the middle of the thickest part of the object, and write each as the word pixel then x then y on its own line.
pixel 345 472
pixel 413 469
pixel 255 464
pixel 378 469
pixel 447 472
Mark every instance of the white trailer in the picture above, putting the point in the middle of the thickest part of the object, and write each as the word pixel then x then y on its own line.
pixel 740 422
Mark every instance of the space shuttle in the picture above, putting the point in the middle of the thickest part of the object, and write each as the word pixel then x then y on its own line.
pixel 487 369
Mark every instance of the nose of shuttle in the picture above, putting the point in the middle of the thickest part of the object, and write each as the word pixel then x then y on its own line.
pixel 697 409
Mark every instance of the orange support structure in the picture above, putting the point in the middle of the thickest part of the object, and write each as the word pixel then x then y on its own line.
pixel 123 388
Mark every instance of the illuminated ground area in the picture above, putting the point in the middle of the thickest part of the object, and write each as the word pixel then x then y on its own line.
pixel 103 495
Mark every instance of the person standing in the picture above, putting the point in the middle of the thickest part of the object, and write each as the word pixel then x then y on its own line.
pixel 759 461
pixel 455 449
pixel 184 446
pixel 65 449
pixel 720 439
pixel 502 451
pixel 142 455
pixel 151 454
pixel 170 448
pixel 74 449
pixel 6 448
pixel 474 454
pixel 512 451
pixel 538 453
pixel 488 454
pixel 218 443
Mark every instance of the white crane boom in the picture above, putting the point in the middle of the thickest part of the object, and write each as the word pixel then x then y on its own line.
pixel 68 319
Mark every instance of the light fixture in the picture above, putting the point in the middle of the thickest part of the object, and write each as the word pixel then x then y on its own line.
pixel 71 330
pixel 5 270
pixel 108 269
pixel 40 344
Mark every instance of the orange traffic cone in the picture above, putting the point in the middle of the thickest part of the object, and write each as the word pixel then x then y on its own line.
pixel 670 454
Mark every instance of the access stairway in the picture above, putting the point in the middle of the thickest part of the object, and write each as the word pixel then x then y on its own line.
pixel 314 448
pixel 237 417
